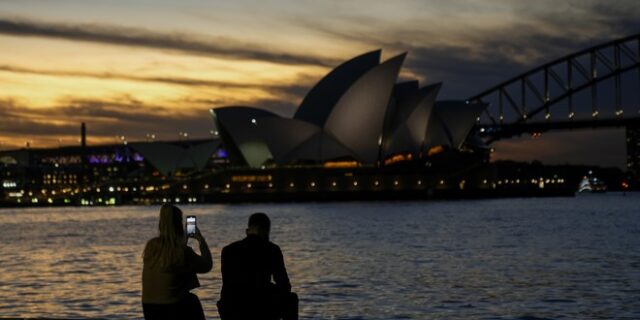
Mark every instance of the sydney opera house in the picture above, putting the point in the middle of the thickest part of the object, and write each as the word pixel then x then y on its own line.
pixel 359 113
pixel 358 121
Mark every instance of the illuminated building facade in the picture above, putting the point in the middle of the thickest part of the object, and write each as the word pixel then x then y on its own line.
pixel 108 173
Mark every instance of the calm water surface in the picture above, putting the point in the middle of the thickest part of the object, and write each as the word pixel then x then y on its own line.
pixel 560 258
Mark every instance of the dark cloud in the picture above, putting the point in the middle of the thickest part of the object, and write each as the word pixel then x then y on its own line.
pixel 469 59
pixel 135 37
pixel 19 126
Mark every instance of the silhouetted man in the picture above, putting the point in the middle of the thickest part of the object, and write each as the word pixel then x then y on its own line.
pixel 248 266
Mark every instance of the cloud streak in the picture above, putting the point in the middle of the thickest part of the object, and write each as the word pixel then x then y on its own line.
pixel 296 90
pixel 142 38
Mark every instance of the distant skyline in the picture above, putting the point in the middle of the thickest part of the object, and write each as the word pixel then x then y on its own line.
pixel 154 66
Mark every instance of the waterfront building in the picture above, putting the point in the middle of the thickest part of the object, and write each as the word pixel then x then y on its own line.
pixel 100 173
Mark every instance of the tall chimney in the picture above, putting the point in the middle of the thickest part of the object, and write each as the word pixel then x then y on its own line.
pixel 83 133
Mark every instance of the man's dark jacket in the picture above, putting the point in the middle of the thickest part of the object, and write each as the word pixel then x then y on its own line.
pixel 248 266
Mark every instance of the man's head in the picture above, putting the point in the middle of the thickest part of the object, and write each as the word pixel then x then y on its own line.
pixel 259 225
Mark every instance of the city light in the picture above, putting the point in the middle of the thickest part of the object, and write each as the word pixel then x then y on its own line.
pixel 9 184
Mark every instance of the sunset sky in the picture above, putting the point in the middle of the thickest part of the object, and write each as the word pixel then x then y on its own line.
pixel 130 68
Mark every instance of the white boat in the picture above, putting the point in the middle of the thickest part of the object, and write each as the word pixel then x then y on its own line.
pixel 592 184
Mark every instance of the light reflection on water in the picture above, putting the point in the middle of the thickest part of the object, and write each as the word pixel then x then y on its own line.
pixel 491 259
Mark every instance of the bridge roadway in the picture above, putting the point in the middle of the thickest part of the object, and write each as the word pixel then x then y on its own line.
pixel 507 130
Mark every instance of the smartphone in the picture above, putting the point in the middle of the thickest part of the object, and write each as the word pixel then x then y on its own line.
pixel 191 226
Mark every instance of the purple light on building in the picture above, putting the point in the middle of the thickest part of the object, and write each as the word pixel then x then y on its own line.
pixel 221 153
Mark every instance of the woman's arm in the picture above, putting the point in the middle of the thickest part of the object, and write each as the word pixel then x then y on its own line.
pixel 204 262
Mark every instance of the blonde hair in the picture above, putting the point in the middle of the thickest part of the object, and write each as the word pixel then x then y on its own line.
pixel 167 250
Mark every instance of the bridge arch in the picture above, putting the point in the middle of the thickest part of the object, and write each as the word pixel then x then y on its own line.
pixel 540 89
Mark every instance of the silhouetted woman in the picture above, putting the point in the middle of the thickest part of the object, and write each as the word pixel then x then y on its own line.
pixel 170 268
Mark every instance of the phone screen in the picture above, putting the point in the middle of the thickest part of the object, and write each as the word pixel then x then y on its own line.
pixel 191 225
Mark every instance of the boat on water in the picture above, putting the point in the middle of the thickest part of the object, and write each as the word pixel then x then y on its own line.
pixel 592 184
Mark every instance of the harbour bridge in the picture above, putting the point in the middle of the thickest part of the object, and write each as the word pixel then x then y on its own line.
pixel 598 87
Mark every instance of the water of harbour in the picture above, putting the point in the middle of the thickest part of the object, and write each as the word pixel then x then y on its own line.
pixel 555 258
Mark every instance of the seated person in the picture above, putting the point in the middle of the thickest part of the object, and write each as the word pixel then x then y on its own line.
pixel 169 270
pixel 248 266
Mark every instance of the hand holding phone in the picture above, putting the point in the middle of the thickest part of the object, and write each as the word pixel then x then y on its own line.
pixel 191 226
